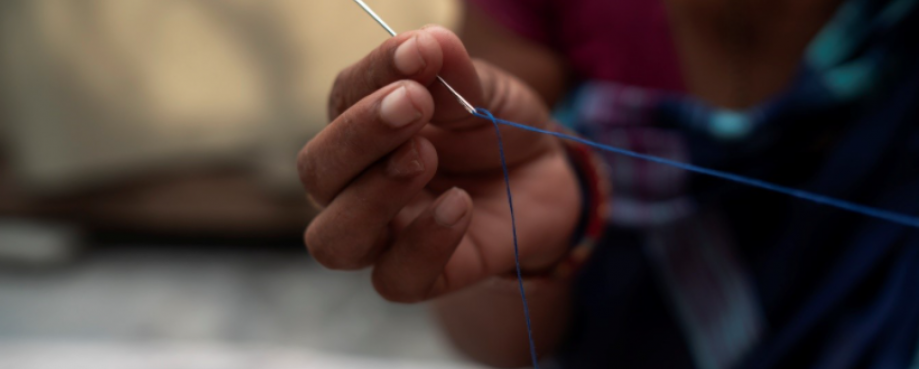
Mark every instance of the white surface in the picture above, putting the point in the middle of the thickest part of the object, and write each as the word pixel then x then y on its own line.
pixel 188 356
pixel 211 307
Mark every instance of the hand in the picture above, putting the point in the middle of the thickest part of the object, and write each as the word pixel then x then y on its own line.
pixel 410 183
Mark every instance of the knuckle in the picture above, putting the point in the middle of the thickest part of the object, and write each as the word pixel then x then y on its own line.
pixel 315 244
pixel 338 99
pixel 307 171
pixel 394 291
pixel 332 255
pixel 380 65
pixel 306 167
pixel 371 75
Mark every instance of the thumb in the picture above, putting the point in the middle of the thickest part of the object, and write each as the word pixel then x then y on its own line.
pixel 467 143
pixel 460 73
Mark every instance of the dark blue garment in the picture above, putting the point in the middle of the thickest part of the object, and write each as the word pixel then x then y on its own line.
pixel 832 289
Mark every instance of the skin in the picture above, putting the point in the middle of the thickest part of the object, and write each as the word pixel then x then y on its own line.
pixel 427 194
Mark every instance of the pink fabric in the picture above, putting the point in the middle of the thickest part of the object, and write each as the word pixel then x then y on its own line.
pixel 625 41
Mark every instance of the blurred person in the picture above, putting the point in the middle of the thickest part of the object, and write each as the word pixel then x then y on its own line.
pixel 685 271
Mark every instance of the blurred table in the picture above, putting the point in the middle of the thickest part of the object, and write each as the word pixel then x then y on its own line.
pixel 191 356
pixel 163 306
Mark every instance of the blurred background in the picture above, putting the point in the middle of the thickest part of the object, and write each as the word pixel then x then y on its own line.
pixel 150 211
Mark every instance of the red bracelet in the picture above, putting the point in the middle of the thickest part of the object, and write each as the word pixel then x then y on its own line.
pixel 592 177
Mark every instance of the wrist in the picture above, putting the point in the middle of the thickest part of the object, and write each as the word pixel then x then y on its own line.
pixel 591 179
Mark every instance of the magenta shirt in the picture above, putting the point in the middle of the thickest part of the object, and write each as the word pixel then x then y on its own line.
pixel 625 41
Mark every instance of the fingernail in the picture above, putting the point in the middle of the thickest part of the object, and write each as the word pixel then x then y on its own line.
pixel 452 209
pixel 408 57
pixel 405 162
pixel 397 110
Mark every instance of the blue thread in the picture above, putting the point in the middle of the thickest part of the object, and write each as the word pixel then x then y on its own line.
pixel 890 216
pixel 903 219
pixel 510 202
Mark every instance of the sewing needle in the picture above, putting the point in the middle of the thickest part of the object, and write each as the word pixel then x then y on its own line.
pixel 462 101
